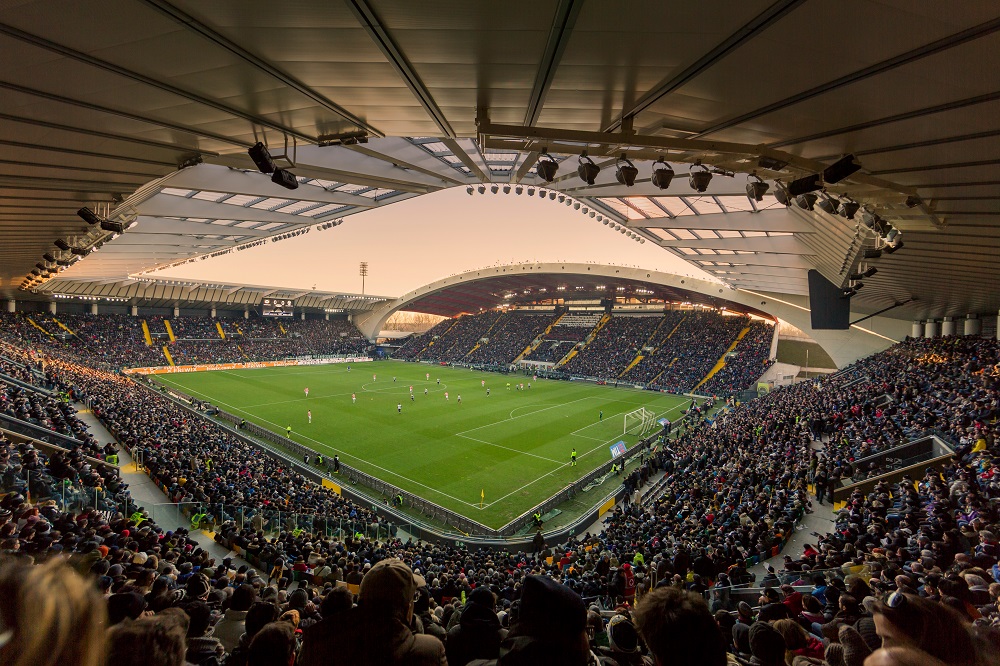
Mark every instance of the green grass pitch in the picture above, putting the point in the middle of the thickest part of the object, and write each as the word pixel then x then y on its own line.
pixel 513 446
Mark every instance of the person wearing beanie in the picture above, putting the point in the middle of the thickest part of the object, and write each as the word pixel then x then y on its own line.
pixel 678 628
pixel 377 631
pixel 478 633
pixel 766 645
pixel 202 649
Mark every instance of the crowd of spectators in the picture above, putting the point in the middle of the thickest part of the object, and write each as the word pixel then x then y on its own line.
pixel 924 550
pixel 508 338
pixel 748 362
pixel 414 344
pixel 113 341
pixel 614 347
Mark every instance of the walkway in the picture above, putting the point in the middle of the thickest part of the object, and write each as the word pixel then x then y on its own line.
pixel 149 497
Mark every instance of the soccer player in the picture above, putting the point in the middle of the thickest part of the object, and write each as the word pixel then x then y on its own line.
pixel 411 390
pixel 600 416
pixel 427 376
pixel 336 464
pixel 445 395
pixel 482 383
pixel 487 392
pixel 522 386
pixel 572 458
pixel 354 398
pixel 529 384
pixel 508 386
pixel 399 408
pixel 534 378
pixel 411 397
pixel 374 377
pixel 393 380
pixel 288 432
pixel 460 398
pixel 439 381
pixel 307 391
pixel 309 413
pixel 425 391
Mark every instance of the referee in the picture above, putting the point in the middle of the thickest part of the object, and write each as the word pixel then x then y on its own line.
pixel 572 458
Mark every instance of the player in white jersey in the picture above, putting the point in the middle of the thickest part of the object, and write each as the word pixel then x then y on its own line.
pixel 374 378
pixel 427 376
pixel 354 398
pixel 307 391
pixel 399 408
pixel 411 390
pixel 425 391
pixel 460 398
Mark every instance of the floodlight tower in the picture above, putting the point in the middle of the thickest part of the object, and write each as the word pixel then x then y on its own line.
pixel 363 271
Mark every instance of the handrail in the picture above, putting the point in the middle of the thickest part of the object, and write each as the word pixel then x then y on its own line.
pixel 13 381
pixel 37 432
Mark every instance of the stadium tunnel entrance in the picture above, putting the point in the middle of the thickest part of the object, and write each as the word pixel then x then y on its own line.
pixel 515 284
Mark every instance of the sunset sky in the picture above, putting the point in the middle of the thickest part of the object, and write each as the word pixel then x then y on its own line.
pixel 415 242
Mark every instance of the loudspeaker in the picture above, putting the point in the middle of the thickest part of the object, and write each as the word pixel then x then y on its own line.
pixel 829 311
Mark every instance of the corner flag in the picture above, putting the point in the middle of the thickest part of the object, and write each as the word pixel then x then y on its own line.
pixel 482 497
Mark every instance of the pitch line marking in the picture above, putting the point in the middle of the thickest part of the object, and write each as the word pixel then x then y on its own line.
pixel 524 453
pixel 332 448
pixel 512 418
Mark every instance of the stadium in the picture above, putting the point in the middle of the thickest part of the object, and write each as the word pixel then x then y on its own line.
pixel 566 333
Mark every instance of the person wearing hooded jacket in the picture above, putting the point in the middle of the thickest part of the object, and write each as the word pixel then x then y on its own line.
pixel 478 633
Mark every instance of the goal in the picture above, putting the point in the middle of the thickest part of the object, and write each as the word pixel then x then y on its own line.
pixel 639 422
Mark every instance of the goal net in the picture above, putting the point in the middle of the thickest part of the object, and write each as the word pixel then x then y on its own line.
pixel 639 422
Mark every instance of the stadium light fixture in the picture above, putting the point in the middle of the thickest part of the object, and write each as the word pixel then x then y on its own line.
pixel 61 244
pixel 531 191
pixel 756 188
pixel 625 171
pixel 587 170
pixel 870 272
pixel 827 204
pixel 898 245
pixel 662 174
pixel 699 180
pixel 872 253
pixel 840 169
pixel 112 226
pixel 552 196
pixel 261 157
pixel 481 189
pixel 469 190
pixel 771 164
pixel 547 166
pixel 848 207
pixel 806 201
pixel 49 258
pixel 494 188
pixel 809 183
pixel 506 189
pixel 913 201
pixel 89 216
pixel 781 193
pixel 519 190
pixel 285 178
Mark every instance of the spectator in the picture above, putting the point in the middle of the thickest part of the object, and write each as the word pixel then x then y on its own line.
pixel 678 628
pixel 478 634
pixel 150 641
pixel 232 625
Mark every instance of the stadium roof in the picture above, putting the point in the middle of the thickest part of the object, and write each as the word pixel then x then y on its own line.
pixel 144 112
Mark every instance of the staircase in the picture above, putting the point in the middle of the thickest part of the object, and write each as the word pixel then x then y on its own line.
pixel 170 331
pixel 639 355
pixel 40 328
pixel 430 344
pixel 586 341
pixel 721 363
pixel 166 354
pixel 145 333
pixel 222 334
pixel 63 327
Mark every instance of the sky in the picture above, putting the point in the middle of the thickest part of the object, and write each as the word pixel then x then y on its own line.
pixel 426 238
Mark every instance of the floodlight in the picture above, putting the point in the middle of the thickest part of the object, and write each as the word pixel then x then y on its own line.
pixel 481 189
pixel 913 201
pixel 285 178
pixel 506 189
pixel 531 192
pixel 469 190
pixel 840 169
pixel 562 198
pixel 870 272
pixel 552 196
pixel 771 164
pixel 49 258
pixel 89 216
pixel 848 208
pixel 898 245
pixel 848 293
pixel 61 244
pixel 261 156
pixel 781 193
pixel 547 166
pixel 494 189
pixel 662 174
pixel 756 188
pixel 872 253
pixel 806 201
pixel 699 180
pixel 587 170
pixel 115 227
pixel 625 171
pixel 809 183
pixel 827 204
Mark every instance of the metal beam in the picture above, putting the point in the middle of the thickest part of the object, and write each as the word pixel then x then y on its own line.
pixel 886 120
pixel 122 114
pixel 773 245
pixel 159 84
pixel 761 22
pixel 563 21
pixel 369 20
pixel 217 178
pixel 773 220
pixel 467 160
pixel 935 47
pixel 289 81
pixel 756 259
pixel 398 161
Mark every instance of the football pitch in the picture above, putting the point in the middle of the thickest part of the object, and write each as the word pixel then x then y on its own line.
pixel 490 457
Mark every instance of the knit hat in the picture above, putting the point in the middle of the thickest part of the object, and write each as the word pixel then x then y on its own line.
pixel 197 586
pixel 856 650
pixel 390 584
pixel 766 644
pixel 549 610
pixel 483 597
pixel 622 635
pixel 866 627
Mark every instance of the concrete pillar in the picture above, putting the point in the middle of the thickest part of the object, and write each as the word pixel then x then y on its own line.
pixel 213 312
pixel 303 317
pixel 998 326
pixel 11 305
pixel 93 308
pixel 246 314
pixel 930 329
pixel 972 325
pixel 52 307
pixel 177 311
pixel 135 310
pixel 918 330
pixel 948 326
